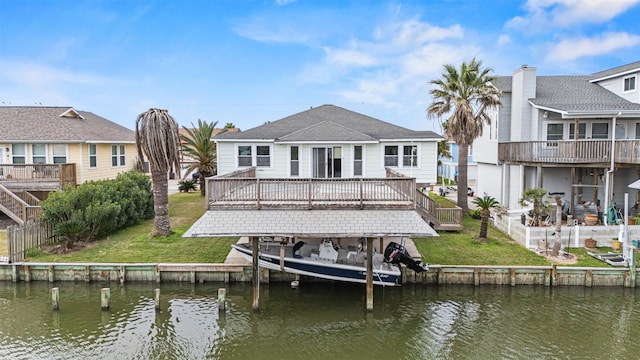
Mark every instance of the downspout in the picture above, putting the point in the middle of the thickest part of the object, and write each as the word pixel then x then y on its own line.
pixel 611 169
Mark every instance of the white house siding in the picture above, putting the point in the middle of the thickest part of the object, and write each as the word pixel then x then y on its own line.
pixel 616 86
pixel 490 181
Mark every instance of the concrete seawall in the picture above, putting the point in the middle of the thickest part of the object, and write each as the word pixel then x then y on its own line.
pixel 199 273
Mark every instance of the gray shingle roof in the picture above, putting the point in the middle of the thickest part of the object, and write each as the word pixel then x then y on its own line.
pixel 572 94
pixel 44 124
pixel 328 123
pixel 576 93
pixel 616 70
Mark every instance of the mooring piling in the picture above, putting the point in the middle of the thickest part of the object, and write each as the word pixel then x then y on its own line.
pixel 221 299
pixel 105 298
pixel 156 298
pixel 55 298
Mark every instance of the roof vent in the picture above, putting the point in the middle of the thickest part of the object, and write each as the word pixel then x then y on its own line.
pixel 72 113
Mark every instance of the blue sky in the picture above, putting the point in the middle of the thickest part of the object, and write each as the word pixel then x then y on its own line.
pixel 247 62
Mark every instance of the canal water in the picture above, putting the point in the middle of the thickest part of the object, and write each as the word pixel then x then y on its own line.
pixel 319 321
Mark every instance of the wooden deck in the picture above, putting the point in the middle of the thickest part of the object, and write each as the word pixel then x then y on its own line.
pixel 242 190
pixel 563 152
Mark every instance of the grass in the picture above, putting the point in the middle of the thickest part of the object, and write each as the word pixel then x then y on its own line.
pixel 460 248
pixel 4 247
pixel 134 244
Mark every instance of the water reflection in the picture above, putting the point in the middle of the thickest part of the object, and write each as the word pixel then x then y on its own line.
pixel 319 321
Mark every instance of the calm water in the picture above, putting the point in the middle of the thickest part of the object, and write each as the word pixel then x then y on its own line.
pixel 320 321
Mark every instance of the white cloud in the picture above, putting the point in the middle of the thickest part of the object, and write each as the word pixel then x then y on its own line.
pixel 348 57
pixel 574 48
pixel 542 14
pixel 37 75
pixel 503 40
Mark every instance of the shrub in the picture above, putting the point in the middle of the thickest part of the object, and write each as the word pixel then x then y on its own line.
pixel 102 207
pixel 187 185
pixel 475 213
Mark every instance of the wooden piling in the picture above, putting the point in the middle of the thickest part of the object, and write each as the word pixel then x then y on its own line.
pixel 156 299
pixel 221 299
pixel 256 273
pixel 55 298
pixel 369 274
pixel 105 298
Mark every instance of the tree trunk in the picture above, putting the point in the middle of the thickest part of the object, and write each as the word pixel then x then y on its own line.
pixel 463 154
pixel 484 223
pixel 161 225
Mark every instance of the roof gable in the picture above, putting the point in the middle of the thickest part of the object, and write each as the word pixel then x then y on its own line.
pixel 71 113
pixel 616 71
pixel 346 124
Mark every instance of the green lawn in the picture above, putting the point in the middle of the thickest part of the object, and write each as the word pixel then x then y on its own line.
pixel 4 248
pixel 134 245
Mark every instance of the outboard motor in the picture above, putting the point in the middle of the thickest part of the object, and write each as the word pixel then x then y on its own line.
pixel 395 253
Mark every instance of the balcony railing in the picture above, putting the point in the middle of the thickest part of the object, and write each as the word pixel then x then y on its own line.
pixel 570 151
pixel 22 175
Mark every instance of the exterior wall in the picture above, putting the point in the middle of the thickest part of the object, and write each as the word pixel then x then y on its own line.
pixel 523 89
pixel 373 160
pixel 616 86
pixel 490 182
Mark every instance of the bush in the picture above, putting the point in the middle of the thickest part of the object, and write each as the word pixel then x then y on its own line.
pixel 475 213
pixel 187 185
pixel 103 206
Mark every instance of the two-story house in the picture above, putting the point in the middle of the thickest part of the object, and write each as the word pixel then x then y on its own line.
pixel 44 148
pixel 577 135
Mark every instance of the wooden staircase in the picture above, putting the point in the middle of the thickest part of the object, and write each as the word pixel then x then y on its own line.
pixel 20 205
pixel 447 219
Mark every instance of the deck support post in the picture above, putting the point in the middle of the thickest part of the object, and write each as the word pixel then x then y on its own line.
pixel 256 273
pixel 369 274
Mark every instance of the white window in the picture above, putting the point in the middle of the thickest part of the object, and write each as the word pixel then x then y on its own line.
pixel 401 156
pixel 357 160
pixel 294 161
pixel 391 155
pixel 93 156
pixel 118 157
pixel 38 154
pixel 600 131
pixel 59 153
pixel 260 155
pixel 582 131
pixel 19 153
pixel 554 132
pixel 409 156
pixel 630 83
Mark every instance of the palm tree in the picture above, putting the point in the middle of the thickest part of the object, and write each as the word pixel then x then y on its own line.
pixel 197 145
pixel 466 95
pixel 485 203
pixel 158 140
pixel 535 196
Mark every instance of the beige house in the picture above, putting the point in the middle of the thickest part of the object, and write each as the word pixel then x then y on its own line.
pixel 44 148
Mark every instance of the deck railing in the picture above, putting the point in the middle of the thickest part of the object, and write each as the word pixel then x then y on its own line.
pixel 63 174
pixel 243 190
pixel 19 208
pixel 570 151
pixel 444 215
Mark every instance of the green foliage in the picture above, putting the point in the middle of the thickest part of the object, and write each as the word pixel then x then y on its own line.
pixel 187 185
pixel 486 202
pixel 102 207
pixel 536 196
pixel 475 213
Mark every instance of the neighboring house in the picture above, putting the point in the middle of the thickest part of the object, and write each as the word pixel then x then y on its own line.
pixel 330 142
pixel 43 148
pixel 448 167
pixel 577 135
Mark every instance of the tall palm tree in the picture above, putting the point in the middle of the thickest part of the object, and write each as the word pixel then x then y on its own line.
pixel 465 95
pixel 485 203
pixel 197 145
pixel 158 140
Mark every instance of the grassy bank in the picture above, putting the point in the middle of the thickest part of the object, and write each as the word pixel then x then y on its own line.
pixel 134 245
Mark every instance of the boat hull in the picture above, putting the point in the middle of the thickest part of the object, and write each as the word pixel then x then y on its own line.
pixel 320 269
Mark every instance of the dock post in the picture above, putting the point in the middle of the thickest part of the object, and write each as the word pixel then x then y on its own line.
pixel 221 299
pixel 51 274
pixel 256 273
pixel 27 273
pixel 55 298
pixel 369 274
pixel 156 298
pixel 105 298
